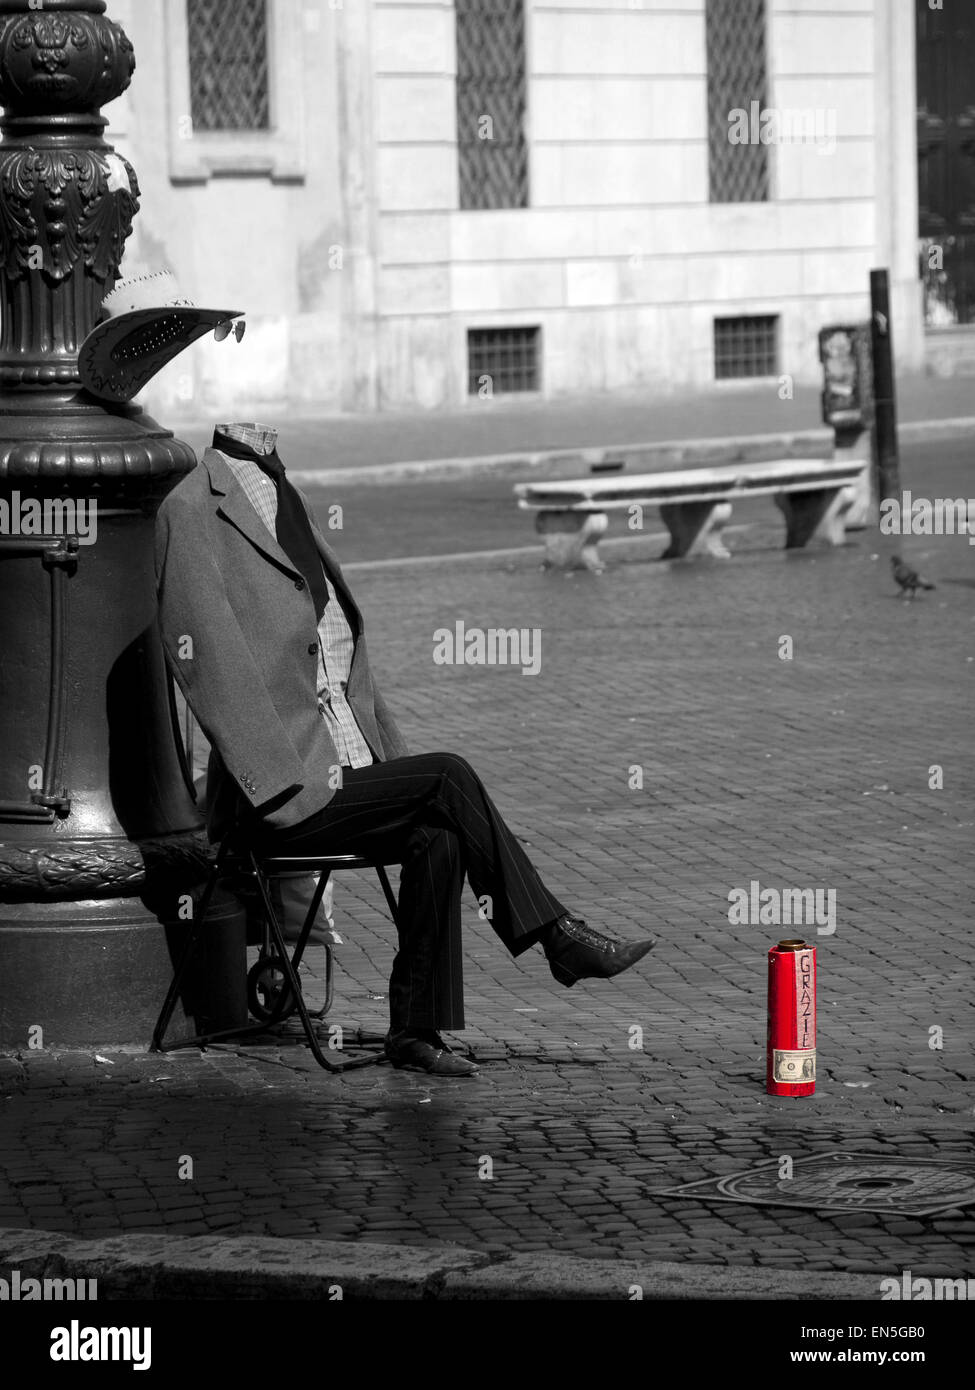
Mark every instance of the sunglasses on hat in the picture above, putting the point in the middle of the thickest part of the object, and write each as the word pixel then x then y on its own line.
pixel 224 330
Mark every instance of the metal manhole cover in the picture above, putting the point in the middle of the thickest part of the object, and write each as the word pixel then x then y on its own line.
pixel 838 1181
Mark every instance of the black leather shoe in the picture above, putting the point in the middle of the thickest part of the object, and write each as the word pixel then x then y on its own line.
pixel 416 1053
pixel 576 951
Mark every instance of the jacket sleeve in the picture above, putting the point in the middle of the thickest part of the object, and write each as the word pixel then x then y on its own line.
pixel 214 667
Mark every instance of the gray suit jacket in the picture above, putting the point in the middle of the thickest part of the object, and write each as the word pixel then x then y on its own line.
pixel 242 641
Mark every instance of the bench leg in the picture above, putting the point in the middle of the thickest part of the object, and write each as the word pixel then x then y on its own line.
pixel 856 449
pixel 863 512
pixel 695 528
pixel 571 538
pixel 817 515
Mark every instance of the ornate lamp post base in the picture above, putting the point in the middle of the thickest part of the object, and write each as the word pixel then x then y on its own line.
pixel 100 839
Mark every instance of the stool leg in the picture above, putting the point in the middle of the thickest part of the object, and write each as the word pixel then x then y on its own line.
pixel 329 981
pixel 390 899
pixel 291 975
pixel 308 923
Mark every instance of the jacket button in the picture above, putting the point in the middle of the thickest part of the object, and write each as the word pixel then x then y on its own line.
pixel 299 583
pixel 312 648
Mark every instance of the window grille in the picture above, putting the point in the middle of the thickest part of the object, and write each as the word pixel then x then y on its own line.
pixel 228 64
pixel 737 78
pixel 503 359
pixel 746 346
pixel 491 148
pixel 946 161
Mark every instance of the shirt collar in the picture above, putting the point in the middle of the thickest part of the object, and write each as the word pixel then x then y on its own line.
pixel 261 438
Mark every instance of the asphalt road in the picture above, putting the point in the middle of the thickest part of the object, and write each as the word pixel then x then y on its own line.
pixel 389 521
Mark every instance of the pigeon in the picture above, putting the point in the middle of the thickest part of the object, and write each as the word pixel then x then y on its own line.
pixel 909 580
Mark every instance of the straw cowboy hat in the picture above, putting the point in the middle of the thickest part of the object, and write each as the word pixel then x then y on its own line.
pixel 146 324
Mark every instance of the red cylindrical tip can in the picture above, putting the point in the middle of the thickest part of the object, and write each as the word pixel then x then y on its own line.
pixel 790 1068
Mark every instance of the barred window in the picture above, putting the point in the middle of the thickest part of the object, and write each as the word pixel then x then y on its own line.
pixel 746 346
pixel 228 64
pixel 502 359
pixel 738 170
pixel 491 148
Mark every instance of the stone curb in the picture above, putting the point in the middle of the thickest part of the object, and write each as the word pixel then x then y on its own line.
pixel 917 431
pixel 152 1267
pixel 750 448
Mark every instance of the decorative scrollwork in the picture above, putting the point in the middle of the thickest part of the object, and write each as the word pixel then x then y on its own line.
pixel 73 61
pixel 73 869
pixel 50 35
pixel 18 224
pixel 61 206
pixel 106 219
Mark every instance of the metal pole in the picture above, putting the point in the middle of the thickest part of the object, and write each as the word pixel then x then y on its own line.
pixel 884 389
pixel 97 828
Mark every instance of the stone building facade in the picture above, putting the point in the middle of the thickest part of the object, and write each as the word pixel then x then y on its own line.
pixel 420 203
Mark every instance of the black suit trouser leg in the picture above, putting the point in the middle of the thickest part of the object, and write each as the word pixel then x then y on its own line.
pixel 426 987
pixel 431 814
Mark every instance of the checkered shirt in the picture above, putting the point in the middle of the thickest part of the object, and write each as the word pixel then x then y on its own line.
pixel 335 640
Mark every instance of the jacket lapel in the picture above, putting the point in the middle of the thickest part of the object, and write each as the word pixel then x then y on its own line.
pixel 235 506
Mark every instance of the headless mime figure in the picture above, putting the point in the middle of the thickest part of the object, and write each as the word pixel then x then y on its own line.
pixel 281 684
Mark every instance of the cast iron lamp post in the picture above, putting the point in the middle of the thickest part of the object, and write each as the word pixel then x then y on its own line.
pixel 94 803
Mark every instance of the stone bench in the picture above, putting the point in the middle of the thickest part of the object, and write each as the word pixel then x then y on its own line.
pixel 814 495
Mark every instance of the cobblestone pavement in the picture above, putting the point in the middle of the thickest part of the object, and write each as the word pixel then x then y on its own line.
pixel 810 772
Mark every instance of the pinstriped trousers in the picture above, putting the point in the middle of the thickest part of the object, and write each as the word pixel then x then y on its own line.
pixel 431 814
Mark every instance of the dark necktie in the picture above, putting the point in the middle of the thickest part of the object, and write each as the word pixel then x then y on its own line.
pixel 292 527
